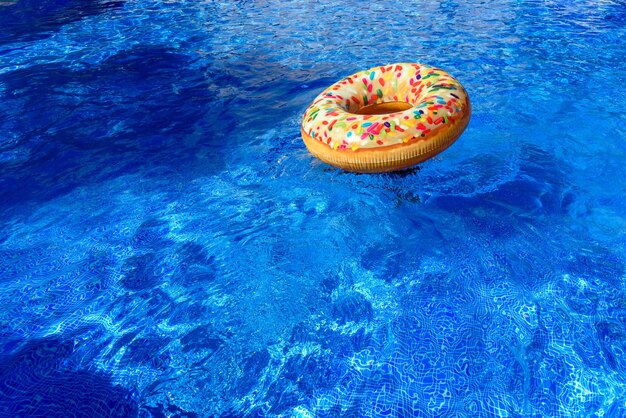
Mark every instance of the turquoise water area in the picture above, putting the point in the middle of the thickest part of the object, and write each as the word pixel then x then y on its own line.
pixel 169 248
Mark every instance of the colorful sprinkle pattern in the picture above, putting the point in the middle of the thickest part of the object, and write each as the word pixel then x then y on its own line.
pixel 438 99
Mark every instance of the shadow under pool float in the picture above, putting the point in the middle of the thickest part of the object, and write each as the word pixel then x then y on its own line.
pixel 386 118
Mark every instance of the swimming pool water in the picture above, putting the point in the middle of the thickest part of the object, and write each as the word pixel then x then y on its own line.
pixel 169 248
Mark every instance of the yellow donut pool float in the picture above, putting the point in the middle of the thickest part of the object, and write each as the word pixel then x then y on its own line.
pixel 386 118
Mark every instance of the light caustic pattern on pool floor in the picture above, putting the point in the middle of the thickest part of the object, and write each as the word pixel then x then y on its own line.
pixel 169 248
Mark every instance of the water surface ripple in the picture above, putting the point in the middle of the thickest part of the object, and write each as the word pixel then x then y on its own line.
pixel 169 248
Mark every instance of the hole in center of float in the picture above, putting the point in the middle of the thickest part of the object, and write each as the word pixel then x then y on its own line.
pixel 384 108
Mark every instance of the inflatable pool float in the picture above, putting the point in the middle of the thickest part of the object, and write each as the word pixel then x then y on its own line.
pixel 386 118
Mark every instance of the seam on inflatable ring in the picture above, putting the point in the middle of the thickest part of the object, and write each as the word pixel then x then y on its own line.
pixel 381 160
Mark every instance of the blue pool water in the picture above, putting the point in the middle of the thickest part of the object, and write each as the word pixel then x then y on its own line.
pixel 169 248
